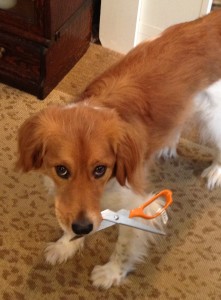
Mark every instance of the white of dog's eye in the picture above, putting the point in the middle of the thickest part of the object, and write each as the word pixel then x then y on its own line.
pixel 99 171
pixel 62 172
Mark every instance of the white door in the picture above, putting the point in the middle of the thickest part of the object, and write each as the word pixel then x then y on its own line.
pixel 124 23
pixel 157 15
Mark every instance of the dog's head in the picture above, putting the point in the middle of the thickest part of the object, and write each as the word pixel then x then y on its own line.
pixel 81 148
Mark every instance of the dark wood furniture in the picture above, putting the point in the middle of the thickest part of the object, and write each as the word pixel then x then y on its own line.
pixel 41 40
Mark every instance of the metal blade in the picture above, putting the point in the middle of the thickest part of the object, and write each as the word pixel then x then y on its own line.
pixel 105 224
pixel 121 217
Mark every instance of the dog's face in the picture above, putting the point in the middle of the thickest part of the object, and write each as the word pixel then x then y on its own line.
pixel 81 149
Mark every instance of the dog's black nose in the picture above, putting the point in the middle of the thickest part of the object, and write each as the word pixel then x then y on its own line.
pixel 82 228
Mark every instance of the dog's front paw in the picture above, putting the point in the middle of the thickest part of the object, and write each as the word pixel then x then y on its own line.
pixel 107 275
pixel 213 175
pixel 61 251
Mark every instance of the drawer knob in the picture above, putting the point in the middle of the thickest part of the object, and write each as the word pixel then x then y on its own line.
pixel 2 51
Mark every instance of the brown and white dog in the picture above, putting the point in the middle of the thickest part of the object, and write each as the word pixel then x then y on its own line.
pixel 95 149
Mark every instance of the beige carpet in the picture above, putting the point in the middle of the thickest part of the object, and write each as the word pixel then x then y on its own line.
pixel 186 264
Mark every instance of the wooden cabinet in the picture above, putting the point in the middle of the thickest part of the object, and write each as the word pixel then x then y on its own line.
pixel 41 40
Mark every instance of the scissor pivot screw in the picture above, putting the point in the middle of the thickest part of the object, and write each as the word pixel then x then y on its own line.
pixel 116 217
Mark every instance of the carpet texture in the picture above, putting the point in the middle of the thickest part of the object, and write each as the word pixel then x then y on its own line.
pixel 186 264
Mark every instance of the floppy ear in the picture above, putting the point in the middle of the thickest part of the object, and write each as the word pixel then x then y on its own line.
pixel 129 164
pixel 31 145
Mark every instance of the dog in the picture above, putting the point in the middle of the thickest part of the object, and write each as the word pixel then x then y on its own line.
pixel 97 149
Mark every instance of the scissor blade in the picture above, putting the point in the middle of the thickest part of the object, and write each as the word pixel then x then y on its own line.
pixel 121 217
pixel 105 224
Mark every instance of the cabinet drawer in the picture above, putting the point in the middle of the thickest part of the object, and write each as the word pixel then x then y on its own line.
pixel 20 58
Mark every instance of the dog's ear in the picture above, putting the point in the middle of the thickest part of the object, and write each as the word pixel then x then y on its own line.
pixel 31 145
pixel 129 163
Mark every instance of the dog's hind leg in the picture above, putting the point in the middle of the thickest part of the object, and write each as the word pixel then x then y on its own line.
pixel 170 151
pixel 213 172
pixel 210 115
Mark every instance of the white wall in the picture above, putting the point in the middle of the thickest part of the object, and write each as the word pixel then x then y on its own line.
pixel 124 23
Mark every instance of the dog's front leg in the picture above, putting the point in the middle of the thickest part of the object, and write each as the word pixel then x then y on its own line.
pixel 130 249
pixel 63 249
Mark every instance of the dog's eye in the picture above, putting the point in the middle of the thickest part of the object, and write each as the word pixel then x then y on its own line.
pixel 99 171
pixel 62 172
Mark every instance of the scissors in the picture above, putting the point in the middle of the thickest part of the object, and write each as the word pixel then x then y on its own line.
pixel 125 217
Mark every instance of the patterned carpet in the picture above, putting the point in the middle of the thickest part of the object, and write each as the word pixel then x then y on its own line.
pixel 186 264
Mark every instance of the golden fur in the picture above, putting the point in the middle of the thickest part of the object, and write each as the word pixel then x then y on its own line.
pixel 143 99
pixel 122 118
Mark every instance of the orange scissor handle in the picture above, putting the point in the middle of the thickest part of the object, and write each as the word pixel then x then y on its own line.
pixel 139 211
